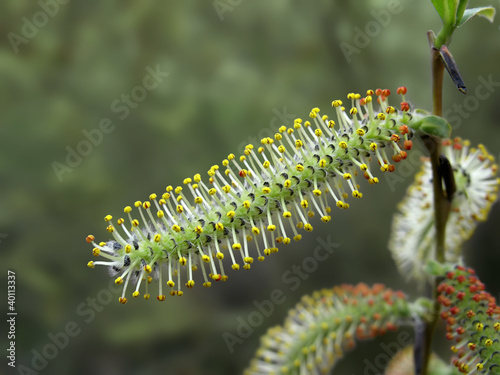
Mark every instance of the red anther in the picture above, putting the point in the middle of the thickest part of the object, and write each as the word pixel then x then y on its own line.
pixel 408 145
pixel 473 288
pixel 395 138
pixel 362 101
pixel 449 289
pixel 461 268
pixel 378 92
pixel 402 90
pixel 405 107
pixel 457 146
pixel 391 326
pixel 460 330
pixel 446 142
pixel 392 168
pixel 386 93
pixel 366 175
pixel 460 295
pixel 461 279
pixel 403 154
pixel 450 275
pixel 476 297
pixel 396 158
pixel 403 129
pixel 445 314
pixel 217 277
pixel 449 336
pixel 472 346
pixel 90 238
pixel 451 320
pixel 471 271
pixel 243 173
pixel 473 279
pixel 454 310
pixel 471 314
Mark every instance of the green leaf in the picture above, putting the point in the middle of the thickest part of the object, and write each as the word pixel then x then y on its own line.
pixel 433 125
pixel 486 12
pixel 447 10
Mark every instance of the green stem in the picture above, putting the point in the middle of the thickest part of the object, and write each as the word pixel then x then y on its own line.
pixel 441 203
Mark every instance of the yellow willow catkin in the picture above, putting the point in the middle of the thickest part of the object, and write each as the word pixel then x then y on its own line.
pixel 255 201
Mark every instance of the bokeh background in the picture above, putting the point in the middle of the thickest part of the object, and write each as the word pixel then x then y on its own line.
pixel 232 79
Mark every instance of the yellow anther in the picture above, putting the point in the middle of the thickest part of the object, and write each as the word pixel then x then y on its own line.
pixel 187 181
pixel 108 218
pixel 230 157
pixel 381 116
pixel 384 168
pixel 226 189
pixel 90 264
pixel 266 164
pixel 298 144
pixel 146 205
pixel 128 248
pixel 176 228
pixel 287 214
pixel 137 203
pixel 122 300
pixel 179 209
pixel 135 223
pixel 304 203
pixel 287 183
pixel 198 229
pixel 299 167
pixel 160 214
pixel 353 111
pixel 182 261
pixel 135 294
pixel 219 255
pixel 157 238
pixel 235 266
pixel 231 214
pixel 360 132
pixel 373 146
pixel 357 194
pixel 271 228
pixel 197 177
pixel 313 114
pixel 212 191
pixel 110 228
pixel 225 162
pixel 219 226
pixel 169 188
pixel 178 189
pixel 324 117
pixel 340 204
pixel 120 221
pixel 127 209
pixel 390 109
pixel 343 144
pixel 266 190
pixel 119 280
pixel 347 176
pixel 170 283
pixel 331 124
pixel 147 268
pixel 318 132
pixel 308 227
pixel 281 149
pixel 310 214
pixel 336 103
pixel 317 192
pixel 326 218
pixel 363 167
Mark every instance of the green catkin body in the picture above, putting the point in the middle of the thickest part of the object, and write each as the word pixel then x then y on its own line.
pixel 267 196
pixel 319 330
pixel 473 322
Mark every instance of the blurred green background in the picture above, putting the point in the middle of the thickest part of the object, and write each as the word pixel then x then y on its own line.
pixel 231 81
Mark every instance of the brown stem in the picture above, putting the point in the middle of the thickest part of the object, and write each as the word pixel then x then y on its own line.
pixel 441 203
